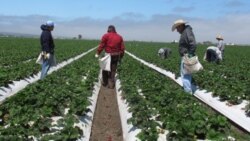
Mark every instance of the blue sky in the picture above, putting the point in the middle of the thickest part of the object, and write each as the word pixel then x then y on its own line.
pixel 137 15
pixel 106 9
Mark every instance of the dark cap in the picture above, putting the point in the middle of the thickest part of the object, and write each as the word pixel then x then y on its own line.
pixel 111 28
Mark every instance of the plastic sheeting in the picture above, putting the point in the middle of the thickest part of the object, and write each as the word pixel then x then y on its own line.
pixel 129 131
pixel 86 121
pixel 19 85
pixel 234 113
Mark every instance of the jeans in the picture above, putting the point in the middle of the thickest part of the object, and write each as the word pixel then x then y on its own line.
pixel 186 79
pixel 46 66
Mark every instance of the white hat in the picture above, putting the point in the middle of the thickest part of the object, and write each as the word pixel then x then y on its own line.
pixel 50 23
pixel 219 37
pixel 177 23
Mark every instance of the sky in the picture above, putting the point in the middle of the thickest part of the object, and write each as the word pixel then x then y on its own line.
pixel 144 20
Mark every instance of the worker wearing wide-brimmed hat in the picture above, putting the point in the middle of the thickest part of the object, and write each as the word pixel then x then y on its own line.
pixel 187 45
pixel 220 44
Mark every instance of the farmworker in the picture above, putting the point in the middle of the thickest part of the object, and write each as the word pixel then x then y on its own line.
pixel 187 45
pixel 220 44
pixel 47 44
pixel 113 44
pixel 164 52
pixel 213 54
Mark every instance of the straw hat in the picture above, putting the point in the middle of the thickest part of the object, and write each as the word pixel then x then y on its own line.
pixel 178 23
pixel 219 37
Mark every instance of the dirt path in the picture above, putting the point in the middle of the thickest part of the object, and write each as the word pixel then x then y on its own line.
pixel 106 124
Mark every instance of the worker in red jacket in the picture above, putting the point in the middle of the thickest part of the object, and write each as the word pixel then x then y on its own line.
pixel 114 46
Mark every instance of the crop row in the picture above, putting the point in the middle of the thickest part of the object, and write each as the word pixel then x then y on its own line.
pixel 229 80
pixel 17 50
pixel 156 101
pixel 30 112
pixel 14 67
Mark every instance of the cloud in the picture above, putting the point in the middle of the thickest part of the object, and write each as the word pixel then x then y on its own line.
pixel 157 28
pixel 22 24
pixel 231 27
pixel 234 3
pixel 131 16
pixel 183 9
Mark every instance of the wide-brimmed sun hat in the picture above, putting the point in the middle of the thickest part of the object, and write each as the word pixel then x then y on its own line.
pixel 50 23
pixel 219 37
pixel 178 23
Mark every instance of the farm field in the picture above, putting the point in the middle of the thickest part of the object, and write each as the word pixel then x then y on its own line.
pixel 29 113
pixel 157 103
pixel 229 80
pixel 18 56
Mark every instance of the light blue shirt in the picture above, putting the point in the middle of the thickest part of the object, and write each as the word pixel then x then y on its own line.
pixel 221 45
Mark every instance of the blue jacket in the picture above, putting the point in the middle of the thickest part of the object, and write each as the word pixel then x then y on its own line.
pixel 46 40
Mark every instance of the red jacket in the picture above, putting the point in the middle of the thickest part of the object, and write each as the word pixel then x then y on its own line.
pixel 112 43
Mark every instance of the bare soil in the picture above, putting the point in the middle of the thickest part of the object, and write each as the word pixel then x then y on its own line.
pixel 106 124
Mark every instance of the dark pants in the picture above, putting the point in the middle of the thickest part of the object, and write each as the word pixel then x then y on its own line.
pixel 212 56
pixel 108 78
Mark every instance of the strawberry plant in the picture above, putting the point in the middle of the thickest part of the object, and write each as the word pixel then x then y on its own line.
pixel 229 79
pixel 18 56
pixel 31 111
pixel 156 101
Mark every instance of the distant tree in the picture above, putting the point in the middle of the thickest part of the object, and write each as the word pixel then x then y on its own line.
pixel 79 36
pixel 207 43
pixel 174 41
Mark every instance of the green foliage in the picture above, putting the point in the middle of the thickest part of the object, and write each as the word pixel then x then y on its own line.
pixel 18 56
pixel 229 80
pixel 30 112
pixel 153 97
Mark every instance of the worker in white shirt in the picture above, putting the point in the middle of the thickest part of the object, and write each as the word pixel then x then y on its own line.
pixel 213 54
pixel 220 44
pixel 164 52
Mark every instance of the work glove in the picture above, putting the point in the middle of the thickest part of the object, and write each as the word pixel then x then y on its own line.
pixel 45 55
pixel 96 55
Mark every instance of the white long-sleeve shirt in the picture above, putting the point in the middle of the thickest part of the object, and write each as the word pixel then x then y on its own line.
pixel 216 49
pixel 221 45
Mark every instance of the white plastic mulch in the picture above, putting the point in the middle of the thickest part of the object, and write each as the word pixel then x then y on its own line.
pixel 86 121
pixel 129 131
pixel 235 113
pixel 19 85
